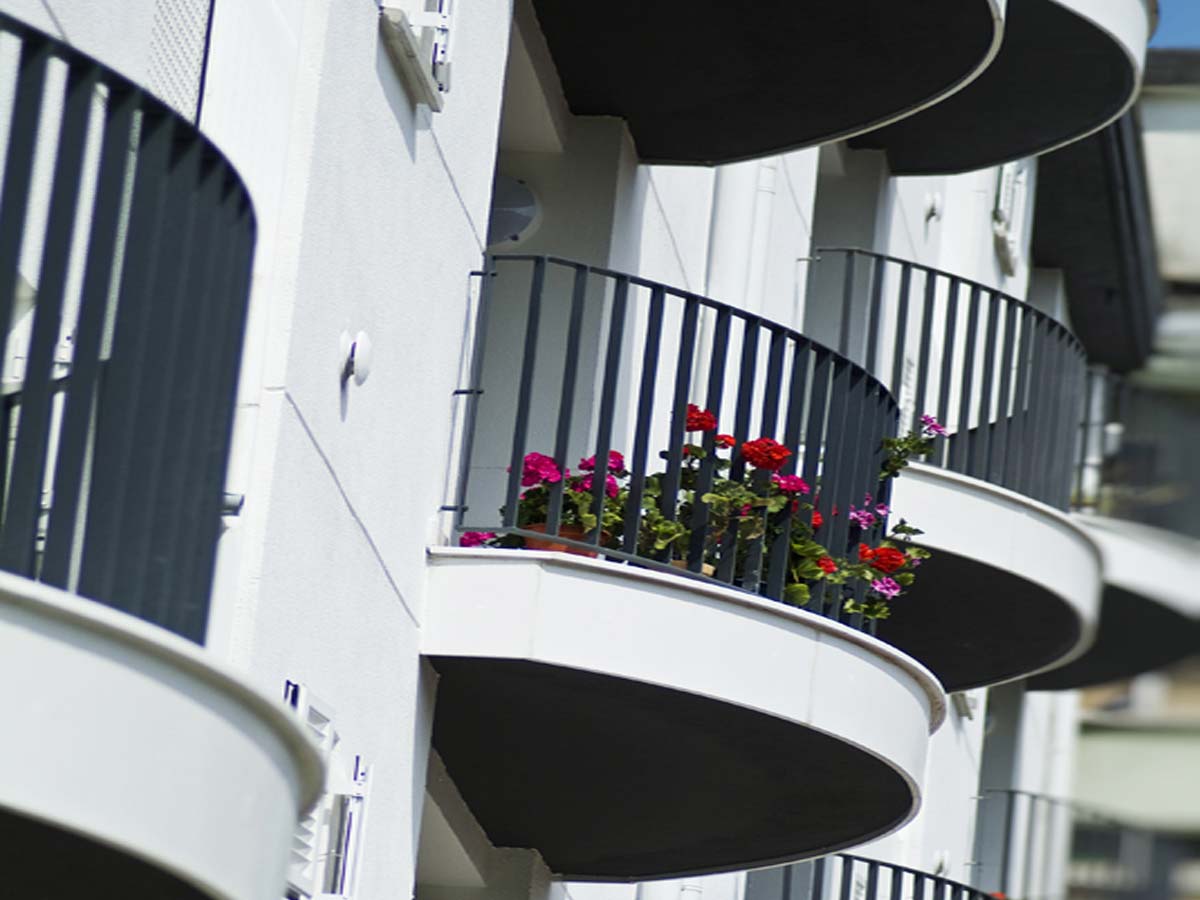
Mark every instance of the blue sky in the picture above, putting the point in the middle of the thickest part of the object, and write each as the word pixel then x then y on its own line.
pixel 1179 24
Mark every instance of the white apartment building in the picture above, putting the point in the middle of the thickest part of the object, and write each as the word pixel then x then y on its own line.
pixel 294 288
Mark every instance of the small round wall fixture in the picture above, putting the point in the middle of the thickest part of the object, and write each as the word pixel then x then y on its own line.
pixel 515 212
pixel 356 353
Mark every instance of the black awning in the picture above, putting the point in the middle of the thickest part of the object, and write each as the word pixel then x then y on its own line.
pixel 708 82
pixel 1058 76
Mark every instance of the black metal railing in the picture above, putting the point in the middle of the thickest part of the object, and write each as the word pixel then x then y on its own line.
pixel 1032 846
pixel 124 280
pixel 1004 378
pixel 846 877
pixel 575 360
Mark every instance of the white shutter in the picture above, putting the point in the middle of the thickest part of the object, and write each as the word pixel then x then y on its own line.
pixel 325 846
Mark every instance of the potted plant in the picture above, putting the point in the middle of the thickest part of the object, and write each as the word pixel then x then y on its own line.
pixel 737 518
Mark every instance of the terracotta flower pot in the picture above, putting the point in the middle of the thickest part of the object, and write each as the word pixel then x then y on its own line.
pixel 572 532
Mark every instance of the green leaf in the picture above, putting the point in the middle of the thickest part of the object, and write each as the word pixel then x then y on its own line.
pixel 796 594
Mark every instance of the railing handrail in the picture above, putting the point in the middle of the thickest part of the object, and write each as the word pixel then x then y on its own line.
pixel 72 55
pixel 703 299
pixel 961 279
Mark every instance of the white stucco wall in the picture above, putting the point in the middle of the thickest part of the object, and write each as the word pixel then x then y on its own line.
pixel 371 216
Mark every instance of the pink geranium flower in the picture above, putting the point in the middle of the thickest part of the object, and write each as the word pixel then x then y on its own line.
pixel 539 469
pixel 791 484
pixel 475 538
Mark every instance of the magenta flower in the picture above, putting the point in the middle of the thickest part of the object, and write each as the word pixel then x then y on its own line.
pixel 886 587
pixel 931 426
pixel 539 469
pixel 863 518
pixel 791 484
pixel 585 484
pixel 882 510
pixel 475 538
pixel 616 462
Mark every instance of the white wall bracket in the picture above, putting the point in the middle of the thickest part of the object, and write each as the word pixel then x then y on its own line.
pixel 422 64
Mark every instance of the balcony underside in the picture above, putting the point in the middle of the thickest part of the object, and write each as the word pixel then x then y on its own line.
pixel 632 725
pixel 1059 75
pixel 775 76
pixel 1093 222
pixel 130 767
pixel 1150 612
pixel 1012 588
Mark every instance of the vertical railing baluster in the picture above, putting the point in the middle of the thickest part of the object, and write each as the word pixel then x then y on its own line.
pixel 566 397
pixel 726 564
pixel 769 426
pixel 920 398
pixel 847 875
pixel 999 455
pixel 1016 454
pixel 18 167
pixel 159 353
pixel 23 507
pixel 101 254
pixel 608 404
pixel 961 439
pixel 524 393
pixel 879 272
pixel 982 447
pixel 189 617
pixel 645 412
pixel 120 388
pixel 174 529
pixel 814 449
pixel 780 551
pixel 683 380
pixel 833 477
pixel 900 344
pixel 713 399
pixel 1044 432
pixel 945 385
pixel 847 305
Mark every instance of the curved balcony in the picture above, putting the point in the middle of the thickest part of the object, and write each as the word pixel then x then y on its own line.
pixel 1066 68
pixel 1013 585
pixel 794 75
pixel 125 248
pixel 1150 608
pixel 129 759
pixel 583 703
pixel 125 272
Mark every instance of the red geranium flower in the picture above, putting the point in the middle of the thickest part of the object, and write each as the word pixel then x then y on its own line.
pixel 700 419
pixel 865 553
pixel 725 440
pixel 888 560
pixel 828 566
pixel 817 520
pixel 765 453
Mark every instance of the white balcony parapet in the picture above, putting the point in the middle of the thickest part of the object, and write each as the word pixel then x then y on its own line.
pixel 677 679
pixel 1013 587
pixel 126 740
